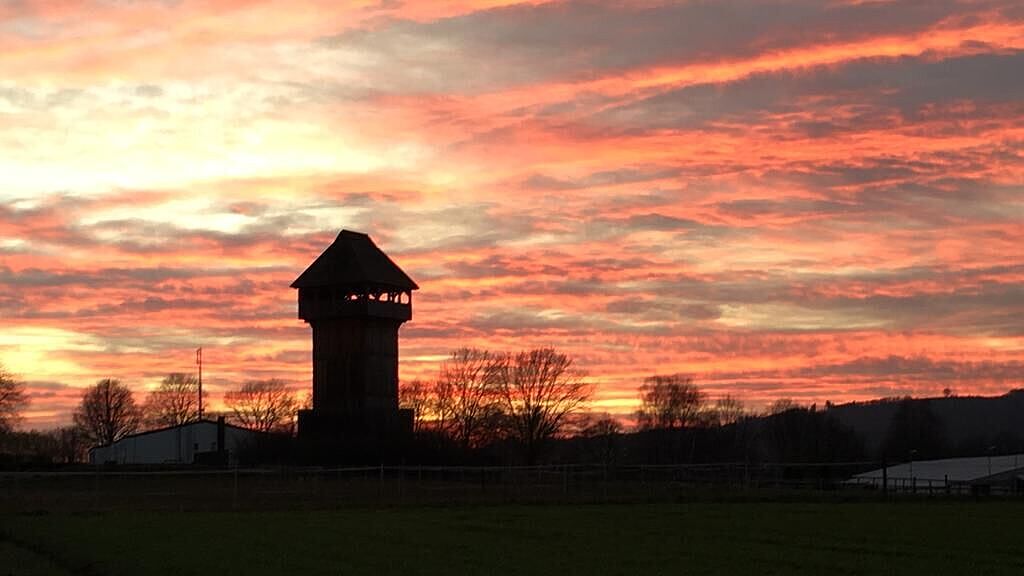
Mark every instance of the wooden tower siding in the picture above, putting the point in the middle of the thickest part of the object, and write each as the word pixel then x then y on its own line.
pixel 355 365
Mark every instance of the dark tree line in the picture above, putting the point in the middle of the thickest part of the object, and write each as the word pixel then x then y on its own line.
pixel 496 406
pixel 535 401
pixel 677 422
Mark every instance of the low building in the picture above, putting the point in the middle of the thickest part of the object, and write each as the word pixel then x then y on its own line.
pixel 976 475
pixel 200 442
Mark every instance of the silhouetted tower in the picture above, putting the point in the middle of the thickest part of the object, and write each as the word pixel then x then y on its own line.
pixel 355 299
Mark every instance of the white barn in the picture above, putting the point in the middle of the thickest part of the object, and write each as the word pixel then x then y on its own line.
pixel 997 474
pixel 195 442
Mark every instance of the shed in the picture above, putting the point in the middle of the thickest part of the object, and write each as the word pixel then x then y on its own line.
pixel 203 441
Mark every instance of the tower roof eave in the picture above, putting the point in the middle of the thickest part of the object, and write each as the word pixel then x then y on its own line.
pixel 354 260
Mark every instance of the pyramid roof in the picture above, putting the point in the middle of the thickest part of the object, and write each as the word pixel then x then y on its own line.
pixel 354 260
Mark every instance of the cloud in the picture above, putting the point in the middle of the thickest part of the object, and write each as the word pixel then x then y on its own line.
pixel 866 92
pixel 601 179
pixel 528 43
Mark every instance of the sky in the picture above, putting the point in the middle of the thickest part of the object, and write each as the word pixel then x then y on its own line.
pixel 811 199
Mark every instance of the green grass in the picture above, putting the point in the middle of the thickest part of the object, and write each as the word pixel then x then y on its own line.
pixel 17 561
pixel 700 538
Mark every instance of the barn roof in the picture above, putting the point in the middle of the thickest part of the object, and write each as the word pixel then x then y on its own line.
pixel 952 469
pixel 354 260
pixel 175 427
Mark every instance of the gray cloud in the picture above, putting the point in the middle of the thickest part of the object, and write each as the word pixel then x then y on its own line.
pixel 528 43
pixel 149 91
pixel 631 175
pixel 901 368
pixel 874 90
pixel 921 368
pixel 655 309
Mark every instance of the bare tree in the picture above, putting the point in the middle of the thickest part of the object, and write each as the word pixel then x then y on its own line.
pixel 415 396
pixel 727 410
pixel 668 402
pixel 540 391
pixel 12 400
pixel 263 405
pixel 174 402
pixel 465 401
pixel 782 405
pixel 107 412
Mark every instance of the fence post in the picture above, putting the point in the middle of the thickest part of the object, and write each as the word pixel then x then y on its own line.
pixel 604 485
pixel 885 480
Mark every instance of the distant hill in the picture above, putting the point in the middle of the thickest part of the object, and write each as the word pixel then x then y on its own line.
pixel 892 428
pixel 970 424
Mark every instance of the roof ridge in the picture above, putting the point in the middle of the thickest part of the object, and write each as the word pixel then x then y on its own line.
pixel 354 260
pixel 172 427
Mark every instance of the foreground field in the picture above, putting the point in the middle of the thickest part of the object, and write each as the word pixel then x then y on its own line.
pixel 700 538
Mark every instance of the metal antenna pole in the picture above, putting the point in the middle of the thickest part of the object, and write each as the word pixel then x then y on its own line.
pixel 199 361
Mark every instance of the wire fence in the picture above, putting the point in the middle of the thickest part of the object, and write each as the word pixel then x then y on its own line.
pixel 315 488
pixel 902 485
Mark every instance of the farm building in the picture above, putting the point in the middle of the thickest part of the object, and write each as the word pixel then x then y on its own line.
pixel 204 441
pixel 984 474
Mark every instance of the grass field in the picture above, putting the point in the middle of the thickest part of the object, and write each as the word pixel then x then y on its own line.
pixel 700 538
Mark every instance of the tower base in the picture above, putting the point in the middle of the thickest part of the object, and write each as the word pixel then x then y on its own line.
pixel 355 438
